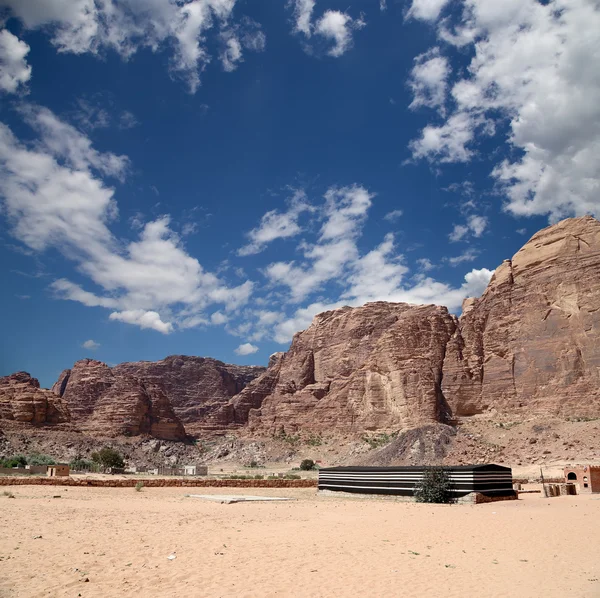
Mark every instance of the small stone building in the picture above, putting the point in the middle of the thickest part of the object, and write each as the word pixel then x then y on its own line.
pixel 195 470
pixel 587 477
pixel 58 470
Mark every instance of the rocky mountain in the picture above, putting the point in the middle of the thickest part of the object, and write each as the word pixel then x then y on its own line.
pixel 22 401
pixel 531 344
pixel 166 399
pixel 375 367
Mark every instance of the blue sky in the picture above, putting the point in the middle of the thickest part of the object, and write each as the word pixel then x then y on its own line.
pixel 203 177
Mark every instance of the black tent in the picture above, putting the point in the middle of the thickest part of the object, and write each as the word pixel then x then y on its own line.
pixel 490 480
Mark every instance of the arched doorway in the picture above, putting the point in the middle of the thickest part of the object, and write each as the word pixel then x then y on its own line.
pixel 572 476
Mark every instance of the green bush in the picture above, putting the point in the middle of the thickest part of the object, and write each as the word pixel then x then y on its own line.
pixel 80 464
pixel 434 487
pixel 39 459
pixel 108 457
pixel 139 486
pixel 307 465
pixel 14 461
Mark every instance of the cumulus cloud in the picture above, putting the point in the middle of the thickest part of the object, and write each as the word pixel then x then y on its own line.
pixel 91 345
pixel 333 25
pixel 14 70
pixel 277 225
pixel 429 80
pixel 143 319
pixel 344 212
pixel 246 349
pixel 426 10
pixel 533 85
pixel 94 26
pixel 55 196
pixel 475 226
pixel 338 27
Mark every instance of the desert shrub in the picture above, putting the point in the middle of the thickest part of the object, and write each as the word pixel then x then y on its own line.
pixel 14 461
pixel 80 464
pixel 108 457
pixel 39 459
pixel 8 494
pixel 139 486
pixel 434 487
pixel 314 440
pixel 307 465
pixel 379 440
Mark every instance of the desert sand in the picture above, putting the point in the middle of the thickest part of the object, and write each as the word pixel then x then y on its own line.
pixel 116 542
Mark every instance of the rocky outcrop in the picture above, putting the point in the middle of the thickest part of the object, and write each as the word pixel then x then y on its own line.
pixel 160 398
pixel 375 367
pixel 196 387
pixel 105 403
pixel 23 401
pixel 531 343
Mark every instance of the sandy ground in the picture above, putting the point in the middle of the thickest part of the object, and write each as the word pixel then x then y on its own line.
pixel 115 542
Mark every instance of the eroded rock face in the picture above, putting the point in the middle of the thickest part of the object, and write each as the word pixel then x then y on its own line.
pixel 531 343
pixel 159 398
pixel 196 387
pixel 375 367
pixel 23 401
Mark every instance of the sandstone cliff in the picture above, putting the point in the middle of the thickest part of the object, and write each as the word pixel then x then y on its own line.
pixel 159 398
pixel 375 367
pixel 531 343
pixel 23 401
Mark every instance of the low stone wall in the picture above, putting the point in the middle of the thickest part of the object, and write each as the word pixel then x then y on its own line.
pixel 157 483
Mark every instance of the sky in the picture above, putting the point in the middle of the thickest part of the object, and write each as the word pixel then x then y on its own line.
pixel 202 177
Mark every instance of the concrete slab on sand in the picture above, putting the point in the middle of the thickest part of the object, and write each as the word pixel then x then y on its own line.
pixel 233 498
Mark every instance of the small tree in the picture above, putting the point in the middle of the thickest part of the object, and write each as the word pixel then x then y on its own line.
pixel 39 459
pixel 14 461
pixel 434 487
pixel 307 465
pixel 108 457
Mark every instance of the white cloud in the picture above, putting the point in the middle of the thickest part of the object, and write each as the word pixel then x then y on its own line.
pixel 458 232
pixel 534 68
pixel 277 225
pixel 475 225
pixel 91 345
pixel 338 26
pixel 247 36
pixel 334 25
pixel 382 5
pixel 94 26
pixel 344 213
pixel 127 120
pixel 218 318
pixel 54 198
pixel 143 319
pixel 429 80
pixel 14 70
pixel 469 255
pixel 393 215
pixel 427 10
pixel 246 349
pixel 425 264
pixel 303 10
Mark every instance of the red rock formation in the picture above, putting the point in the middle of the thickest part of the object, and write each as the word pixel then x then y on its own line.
pixel 23 401
pixel 376 367
pixel 531 343
pixel 147 397
pixel 196 387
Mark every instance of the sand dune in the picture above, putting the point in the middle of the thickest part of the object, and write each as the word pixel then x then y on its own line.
pixel 119 540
